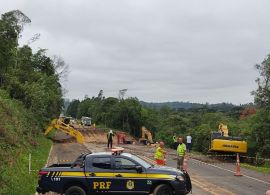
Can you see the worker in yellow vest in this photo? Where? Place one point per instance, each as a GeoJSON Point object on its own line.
{"type": "Point", "coordinates": [175, 142]}
{"type": "Point", "coordinates": [181, 151]}
{"type": "Point", "coordinates": [160, 154]}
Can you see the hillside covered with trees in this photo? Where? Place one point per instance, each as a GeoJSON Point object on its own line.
{"type": "Point", "coordinates": [30, 95]}
{"type": "Point", "coordinates": [130, 115]}
{"type": "Point", "coordinates": [223, 107]}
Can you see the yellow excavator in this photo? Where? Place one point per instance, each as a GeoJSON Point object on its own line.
{"type": "Point", "coordinates": [146, 136]}
{"type": "Point", "coordinates": [63, 124]}
{"type": "Point", "coordinates": [222, 142]}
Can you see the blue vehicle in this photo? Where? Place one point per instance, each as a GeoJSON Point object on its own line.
{"type": "Point", "coordinates": [114, 173]}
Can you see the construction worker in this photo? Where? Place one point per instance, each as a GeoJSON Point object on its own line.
{"type": "Point", "coordinates": [181, 151]}
{"type": "Point", "coordinates": [189, 140]}
{"type": "Point", "coordinates": [110, 138]}
{"type": "Point", "coordinates": [175, 143]}
{"type": "Point", "coordinates": [160, 154]}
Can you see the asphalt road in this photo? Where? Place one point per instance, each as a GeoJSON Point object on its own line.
{"type": "Point", "coordinates": [216, 179]}
{"type": "Point", "coordinates": [220, 179]}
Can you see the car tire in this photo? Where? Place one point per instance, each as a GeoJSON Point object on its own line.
{"type": "Point", "coordinates": [163, 189]}
{"type": "Point", "coordinates": [75, 190]}
{"type": "Point", "coordinates": [188, 182]}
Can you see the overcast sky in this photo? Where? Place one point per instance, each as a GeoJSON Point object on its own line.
{"type": "Point", "coordinates": [160, 50]}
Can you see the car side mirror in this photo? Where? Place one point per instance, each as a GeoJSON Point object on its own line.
{"type": "Point", "coordinates": [139, 169]}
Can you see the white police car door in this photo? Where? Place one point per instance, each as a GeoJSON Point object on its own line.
{"type": "Point", "coordinates": [127, 176]}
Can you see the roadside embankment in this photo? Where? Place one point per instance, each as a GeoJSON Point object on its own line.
{"type": "Point", "coordinates": [20, 135]}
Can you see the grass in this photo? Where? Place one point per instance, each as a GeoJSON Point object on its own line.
{"type": "Point", "coordinates": [20, 134]}
{"type": "Point", "coordinates": [20, 181]}
{"type": "Point", "coordinates": [262, 169]}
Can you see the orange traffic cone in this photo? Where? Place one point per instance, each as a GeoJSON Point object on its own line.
{"type": "Point", "coordinates": [238, 172]}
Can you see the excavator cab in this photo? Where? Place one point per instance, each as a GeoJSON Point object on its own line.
{"type": "Point", "coordinates": [66, 120]}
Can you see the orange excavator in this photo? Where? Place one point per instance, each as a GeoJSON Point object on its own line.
{"type": "Point", "coordinates": [63, 124]}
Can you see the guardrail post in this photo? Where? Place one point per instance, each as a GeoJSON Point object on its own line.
{"type": "Point", "coordinates": [29, 164]}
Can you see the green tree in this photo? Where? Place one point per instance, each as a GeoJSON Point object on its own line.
{"type": "Point", "coordinates": [261, 126]}
{"type": "Point", "coordinates": [262, 94]}
{"type": "Point", "coordinates": [27, 77]}
{"type": "Point", "coordinates": [72, 109]}
{"type": "Point", "coordinates": [11, 26]}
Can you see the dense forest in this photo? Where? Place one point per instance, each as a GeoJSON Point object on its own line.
{"type": "Point", "coordinates": [28, 77]}
{"type": "Point", "coordinates": [129, 115]}
{"type": "Point", "coordinates": [223, 107]}
{"type": "Point", "coordinates": [250, 121]}
{"type": "Point", "coordinates": [30, 95]}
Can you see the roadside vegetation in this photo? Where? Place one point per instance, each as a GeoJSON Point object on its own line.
{"type": "Point", "coordinates": [30, 95]}
{"type": "Point", "coordinates": [262, 169]}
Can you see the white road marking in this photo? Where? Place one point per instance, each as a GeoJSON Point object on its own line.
{"type": "Point", "coordinates": [49, 155]}
{"type": "Point", "coordinates": [265, 182]}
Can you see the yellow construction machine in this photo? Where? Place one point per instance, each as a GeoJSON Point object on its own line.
{"type": "Point", "coordinates": [222, 142]}
{"type": "Point", "coordinates": [146, 136]}
{"type": "Point", "coordinates": [63, 124]}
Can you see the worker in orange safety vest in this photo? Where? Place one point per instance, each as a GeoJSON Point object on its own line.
{"type": "Point", "coordinates": [160, 154]}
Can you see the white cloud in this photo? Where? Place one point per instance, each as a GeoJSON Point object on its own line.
{"type": "Point", "coordinates": [198, 51]}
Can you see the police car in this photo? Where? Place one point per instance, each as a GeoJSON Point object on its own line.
{"type": "Point", "coordinates": [113, 172]}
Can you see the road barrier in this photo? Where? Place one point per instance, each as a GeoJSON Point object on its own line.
{"type": "Point", "coordinates": [31, 163]}
{"type": "Point", "coordinates": [32, 167]}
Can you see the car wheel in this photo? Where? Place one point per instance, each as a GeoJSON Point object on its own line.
{"type": "Point", "coordinates": [75, 190]}
{"type": "Point", "coordinates": [163, 189]}
{"type": "Point", "coordinates": [188, 182]}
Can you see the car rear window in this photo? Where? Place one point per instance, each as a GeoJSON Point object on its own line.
{"type": "Point", "coordinates": [101, 163]}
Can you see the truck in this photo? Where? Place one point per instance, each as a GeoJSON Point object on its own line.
{"type": "Point", "coordinates": [115, 173]}
{"type": "Point", "coordinates": [86, 121]}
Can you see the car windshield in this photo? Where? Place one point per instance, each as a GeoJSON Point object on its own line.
{"type": "Point", "coordinates": [139, 160]}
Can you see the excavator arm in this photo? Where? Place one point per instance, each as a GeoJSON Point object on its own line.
{"type": "Point", "coordinates": [149, 136]}
{"type": "Point", "coordinates": [61, 126]}
{"type": "Point", "coordinates": [146, 133]}
{"type": "Point", "coordinates": [143, 132]}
